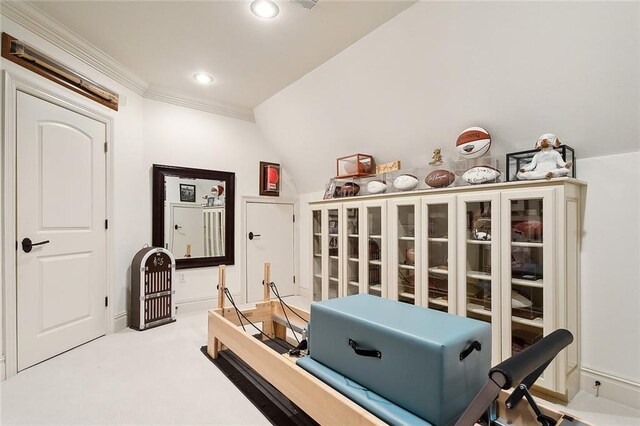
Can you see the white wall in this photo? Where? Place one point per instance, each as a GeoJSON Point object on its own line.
{"type": "Point", "coordinates": [519, 69]}
{"type": "Point", "coordinates": [611, 266]}
{"type": "Point", "coordinates": [180, 136]}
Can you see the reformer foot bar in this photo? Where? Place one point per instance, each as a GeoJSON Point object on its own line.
{"type": "Point", "coordinates": [494, 403]}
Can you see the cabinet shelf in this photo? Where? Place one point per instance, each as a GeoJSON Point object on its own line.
{"type": "Point", "coordinates": [479, 275]}
{"type": "Point", "coordinates": [536, 322]}
{"type": "Point", "coordinates": [477, 309]}
{"type": "Point", "coordinates": [353, 235]}
{"type": "Point", "coordinates": [334, 257]}
{"type": "Point", "coordinates": [375, 287]}
{"type": "Point", "coordinates": [440, 271]}
{"type": "Point", "coordinates": [438, 301]}
{"type": "Point", "coordinates": [317, 234]}
{"type": "Point", "coordinates": [528, 283]}
{"type": "Point", "coordinates": [438, 240]}
{"type": "Point", "coordinates": [334, 235]}
{"type": "Point", "coordinates": [479, 242]}
{"type": "Point", "coordinates": [407, 238]}
{"type": "Point", "coordinates": [377, 237]}
{"type": "Point", "coordinates": [410, 267]}
{"type": "Point", "coordinates": [354, 259]}
{"type": "Point", "coordinates": [407, 295]}
{"type": "Point", "coordinates": [375, 262]}
{"type": "Point", "coordinates": [333, 279]}
{"type": "Point", "coordinates": [317, 276]}
{"type": "Point", "coordinates": [317, 255]}
{"type": "Point", "coordinates": [526, 244]}
{"type": "Point", "coordinates": [354, 283]}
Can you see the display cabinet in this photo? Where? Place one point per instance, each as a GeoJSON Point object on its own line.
{"type": "Point", "coordinates": [405, 257]}
{"type": "Point", "coordinates": [317, 246]}
{"type": "Point", "coordinates": [353, 244]}
{"type": "Point", "coordinates": [478, 254]}
{"type": "Point", "coordinates": [375, 255]}
{"type": "Point", "coordinates": [439, 253]}
{"type": "Point", "coordinates": [506, 254]}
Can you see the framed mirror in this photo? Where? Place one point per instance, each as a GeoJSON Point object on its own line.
{"type": "Point", "coordinates": [193, 215]}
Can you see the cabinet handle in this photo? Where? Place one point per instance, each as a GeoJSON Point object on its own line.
{"type": "Point", "coordinates": [364, 352]}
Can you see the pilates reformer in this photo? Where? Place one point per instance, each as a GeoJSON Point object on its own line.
{"type": "Point", "coordinates": [492, 405]}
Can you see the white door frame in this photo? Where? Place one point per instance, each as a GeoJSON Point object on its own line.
{"type": "Point", "coordinates": [243, 241]}
{"type": "Point", "coordinates": [40, 88]}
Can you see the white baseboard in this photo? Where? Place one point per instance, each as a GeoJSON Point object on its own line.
{"type": "Point", "coordinates": [613, 388]}
{"type": "Point", "coordinates": [120, 322]}
{"type": "Point", "coordinates": [3, 368]}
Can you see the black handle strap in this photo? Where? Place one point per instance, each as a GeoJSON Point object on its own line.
{"type": "Point", "coordinates": [363, 351]}
{"type": "Point", "coordinates": [474, 346]}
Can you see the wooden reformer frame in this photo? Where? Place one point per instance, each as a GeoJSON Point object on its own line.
{"type": "Point", "coordinates": [317, 399]}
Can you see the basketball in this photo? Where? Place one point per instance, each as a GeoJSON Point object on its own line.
{"type": "Point", "coordinates": [473, 142]}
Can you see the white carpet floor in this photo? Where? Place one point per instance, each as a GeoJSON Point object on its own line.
{"type": "Point", "coordinates": [160, 377]}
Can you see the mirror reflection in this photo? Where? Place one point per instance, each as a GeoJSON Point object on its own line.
{"type": "Point", "coordinates": [194, 217]}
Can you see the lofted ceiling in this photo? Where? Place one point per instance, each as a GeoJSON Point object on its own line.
{"type": "Point", "coordinates": [166, 42]}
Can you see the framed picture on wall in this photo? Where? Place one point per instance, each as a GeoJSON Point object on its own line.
{"type": "Point", "coordinates": [269, 179]}
{"type": "Point", "coordinates": [187, 193]}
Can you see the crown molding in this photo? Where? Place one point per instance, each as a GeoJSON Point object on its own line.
{"type": "Point", "coordinates": [41, 24]}
{"type": "Point", "coordinates": [184, 100]}
{"type": "Point", "coordinates": [56, 33]}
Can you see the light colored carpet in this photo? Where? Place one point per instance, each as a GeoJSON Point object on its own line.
{"type": "Point", "coordinates": [159, 377]}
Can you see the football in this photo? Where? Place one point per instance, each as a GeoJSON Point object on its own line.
{"type": "Point", "coordinates": [377, 187]}
{"type": "Point", "coordinates": [405, 182]}
{"type": "Point", "coordinates": [481, 174]}
{"type": "Point", "coordinates": [440, 178]}
{"type": "Point", "coordinates": [473, 142]}
{"type": "Point", "coordinates": [349, 189]}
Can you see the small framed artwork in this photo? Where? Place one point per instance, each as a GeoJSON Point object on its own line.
{"type": "Point", "coordinates": [187, 193]}
{"type": "Point", "coordinates": [269, 179]}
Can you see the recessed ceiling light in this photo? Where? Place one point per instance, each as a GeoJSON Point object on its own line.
{"type": "Point", "coordinates": [266, 9]}
{"type": "Point", "coordinates": [203, 78]}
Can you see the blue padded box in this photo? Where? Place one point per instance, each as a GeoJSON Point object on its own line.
{"type": "Point", "coordinates": [406, 354]}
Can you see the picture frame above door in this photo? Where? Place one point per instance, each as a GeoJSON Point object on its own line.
{"type": "Point", "coordinates": [270, 179]}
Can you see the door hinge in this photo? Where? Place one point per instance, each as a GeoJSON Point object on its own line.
{"type": "Point", "coordinates": [106, 224]}
{"type": "Point", "coordinates": [16, 246]}
{"type": "Point", "coordinates": [105, 147]}
{"type": "Point", "coordinates": [106, 301]}
{"type": "Point", "coordinates": [294, 218]}
{"type": "Point", "coordinates": [294, 279]}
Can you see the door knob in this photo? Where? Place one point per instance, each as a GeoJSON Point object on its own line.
{"type": "Point", "coordinates": [27, 244]}
{"type": "Point", "coordinates": [251, 235]}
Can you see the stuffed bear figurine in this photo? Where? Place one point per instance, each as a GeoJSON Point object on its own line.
{"type": "Point", "coordinates": [547, 163]}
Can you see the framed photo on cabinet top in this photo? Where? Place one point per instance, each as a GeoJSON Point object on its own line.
{"type": "Point", "coordinates": [187, 193]}
{"type": "Point", "coordinates": [269, 179]}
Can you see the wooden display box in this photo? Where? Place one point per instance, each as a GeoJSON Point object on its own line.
{"type": "Point", "coordinates": [356, 165]}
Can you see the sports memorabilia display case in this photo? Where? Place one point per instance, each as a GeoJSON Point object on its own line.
{"type": "Point", "coordinates": [516, 160]}
{"type": "Point", "coordinates": [503, 253]}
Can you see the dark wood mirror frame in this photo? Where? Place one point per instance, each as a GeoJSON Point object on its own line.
{"type": "Point", "coordinates": [158, 174]}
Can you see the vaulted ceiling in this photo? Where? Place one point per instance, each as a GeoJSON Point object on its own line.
{"type": "Point", "coordinates": [166, 42]}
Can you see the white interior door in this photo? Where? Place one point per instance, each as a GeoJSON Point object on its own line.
{"type": "Point", "coordinates": [61, 205]}
{"type": "Point", "coordinates": [187, 228]}
{"type": "Point", "coordinates": [271, 227]}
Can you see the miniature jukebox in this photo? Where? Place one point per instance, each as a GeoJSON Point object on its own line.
{"type": "Point", "coordinates": [152, 275]}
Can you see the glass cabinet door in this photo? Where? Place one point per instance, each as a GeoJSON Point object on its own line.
{"type": "Point", "coordinates": [334, 255]}
{"type": "Point", "coordinates": [438, 229]}
{"type": "Point", "coordinates": [405, 253]}
{"type": "Point", "coordinates": [479, 252]}
{"type": "Point", "coordinates": [316, 250]}
{"type": "Point", "coordinates": [375, 250]}
{"type": "Point", "coordinates": [527, 271]}
{"type": "Point", "coordinates": [352, 243]}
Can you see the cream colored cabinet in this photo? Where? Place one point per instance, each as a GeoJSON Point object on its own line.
{"type": "Point", "coordinates": [478, 256]}
{"type": "Point", "coordinates": [439, 258]}
{"type": "Point", "coordinates": [405, 256]}
{"type": "Point", "coordinates": [375, 255]}
{"type": "Point", "coordinates": [506, 254]}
